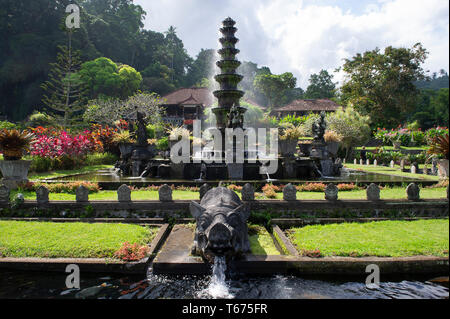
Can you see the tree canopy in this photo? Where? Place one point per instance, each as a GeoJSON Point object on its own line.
{"type": "Point", "coordinates": [321, 86]}
{"type": "Point", "coordinates": [381, 84]}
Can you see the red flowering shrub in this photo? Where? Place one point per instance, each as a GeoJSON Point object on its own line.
{"type": "Point", "coordinates": [62, 145]}
{"type": "Point", "coordinates": [132, 252]}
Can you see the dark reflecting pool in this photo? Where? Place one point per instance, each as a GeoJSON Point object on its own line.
{"type": "Point", "coordinates": [347, 176]}
{"type": "Point", "coordinates": [15, 284]}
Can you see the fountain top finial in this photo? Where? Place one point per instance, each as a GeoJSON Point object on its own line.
{"type": "Point", "coordinates": [228, 22]}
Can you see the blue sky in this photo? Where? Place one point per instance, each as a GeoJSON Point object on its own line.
{"type": "Point", "coordinates": [305, 36]}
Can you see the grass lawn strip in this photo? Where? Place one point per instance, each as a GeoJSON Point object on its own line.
{"type": "Point", "coordinates": [69, 240]}
{"type": "Point", "coordinates": [381, 239]}
{"type": "Point", "coordinates": [261, 243]}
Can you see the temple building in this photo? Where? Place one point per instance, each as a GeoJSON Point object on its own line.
{"type": "Point", "coordinates": [187, 104]}
{"type": "Point", "coordinates": [304, 107]}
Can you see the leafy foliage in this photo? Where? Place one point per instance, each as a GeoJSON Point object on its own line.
{"type": "Point", "coordinates": [14, 142]}
{"type": "Point", "coordinates": [382, 84]}
{"type": "Point", "coordinates": [351, 126]}
{"type": "Point", "coordinates": [321, 86]}
{"type": "Point", "coordinates": [111, 110]}
{"type": "Point", "coordinates": [274, 86]}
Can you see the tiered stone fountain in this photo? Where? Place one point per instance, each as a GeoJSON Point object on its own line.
{"type": "Point", "coordinates": [229, 113]}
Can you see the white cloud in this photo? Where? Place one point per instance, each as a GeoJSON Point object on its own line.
{"type": "Point", "coordinates": [312, 37]}
{"type": "Point", "coordinates": [305, 36]}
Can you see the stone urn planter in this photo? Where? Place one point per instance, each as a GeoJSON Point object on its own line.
{"type": "Point", "coordinates": [14, 172]}
{"type": "Point", "coordinates": [443, 168]}
{"type": "Point", "coordinates": [333, 147]}
{"type": "Point", "coordinates": [287, 147]}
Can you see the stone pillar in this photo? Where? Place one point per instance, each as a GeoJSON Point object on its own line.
{"type": "Point", "coordinates": [42, 195]}
{"type": "Point", "coordinates": [331, 192]}
{"type": "Point", "coordinates": [355, 161]}
{"type": "Point", "coordinates": [248, 193]}
{"type": "Point", "coordinates": [204, 189]}
{"type": "Point", "coordinates": [434, 167]}
{"type": "Point", "coordinates": [289, 193]}
{"type": "Point", "coordinates": [425, 169]}
{"type": "Point", "coordinates": [375, 163]}
{"type": "Point", "coordinates": [361, 162]}
{"type": "Point", "coordinates": [368, 162]}
{"type": "Point", "coordinates": [82, 194]}
{"type": "Point", "coordinates": [4, 194]}
{"type": "Point", "coordinates": [402, 164]}
{"type": "Point", "coordinates": [413, 192]}
{"type": "Point", "coordinates": [165, 193]}
{"type": "Point", "coordinates": [413, 169]}
{"type": "Point", "coordinates": [373, 192]}
{"type": "Point", "coordinates": [392, 165]}
{"type": "Point", "coordinates": [124, 194]}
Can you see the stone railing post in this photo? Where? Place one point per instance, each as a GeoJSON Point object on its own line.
{"type": "Point", "coordinates": [373, 192]}
{"type": "Point", "coordinates": [413, 192]}
{"type": "Point", "coordinates": [42, 194]}
{"type": "Point", "coordinates": [331, 192]}
{"type": "Point", "coordinates": [124, 194]}
{"type": "Point", "coordinates": [4, 194]}
{"type": "Point", "coordinates": [165, 193]}
{"type": "Point", "coordinates": [82, 194]}
{"type": "Point", "coordinates": [290, 192]}
{"type": "Point", "coordinates": [248, 193]}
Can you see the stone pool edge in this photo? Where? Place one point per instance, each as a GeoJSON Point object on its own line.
{"type": "Point", "coordinates": [295, 264]}
{"type": "Point", "coordinates": [91, 265]}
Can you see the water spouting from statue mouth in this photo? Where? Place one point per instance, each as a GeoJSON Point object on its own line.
{"type": "Point", "coordinates": [218, 287]}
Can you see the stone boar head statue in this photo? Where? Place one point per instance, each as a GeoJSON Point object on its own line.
{"type": "Point", "coordinates": [221, 224]}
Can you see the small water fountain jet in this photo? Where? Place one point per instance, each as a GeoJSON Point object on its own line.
{"type": "Point", "coordinates": [218, 287]}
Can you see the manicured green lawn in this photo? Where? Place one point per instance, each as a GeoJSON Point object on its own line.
{"type": "Point", "coordinates": [387, 193]}
{"type": "Point", "coordinates": [71, 240]}
{"type": "Point", "coordinates": [390, 171]}
{"type": "Point", "coordinates": [261, 243]}
{"type": "Point", "coordinates": [60, 173]}
{"type": "Point", "coordinates": [386, 238]}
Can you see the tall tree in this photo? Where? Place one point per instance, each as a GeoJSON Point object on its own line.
{"type": "Point", "coordinates": [107, 79]}
{"type": "Point", "coordinates": [382, 84]}
{"type": "Point", "coordinates": [321, 86]}
{"type": "Point", "coordinates": [274, 86]}
{"type": "Point", "coordinates": [65, 92]}
{"type": "Point", "coordinates": [202, 67]}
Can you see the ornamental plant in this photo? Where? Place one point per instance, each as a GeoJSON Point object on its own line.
{"type": "Point", "coordinates": [132, 252]}
{"type": "Point", "coordinates": [62, 145]}
{"type": "Point", "coordinates": [439, 147]}
{"type": "Point", "coordinates": [123, 137]}
{"type": "Point", "coordinates": [176, 132]}
{"type": "Point", "coordinates": [332, 136]}
{"type": "Point", "coordinates": [14, 142]}
{"type": "Point", "coordinates": [290, 132]}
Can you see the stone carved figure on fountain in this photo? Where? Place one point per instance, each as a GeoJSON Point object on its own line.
{"type": "Point", "coordinates": [221, 224]}
{"type": "Point", "coordinates": [319, 128]}
{"type": "Point", "coordinates": [141, 133]}
{"type": "Point", "coordinates": [235, 118]}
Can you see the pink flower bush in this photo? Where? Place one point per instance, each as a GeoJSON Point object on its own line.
{"type": "Point", "coordinates": [62, 145]}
